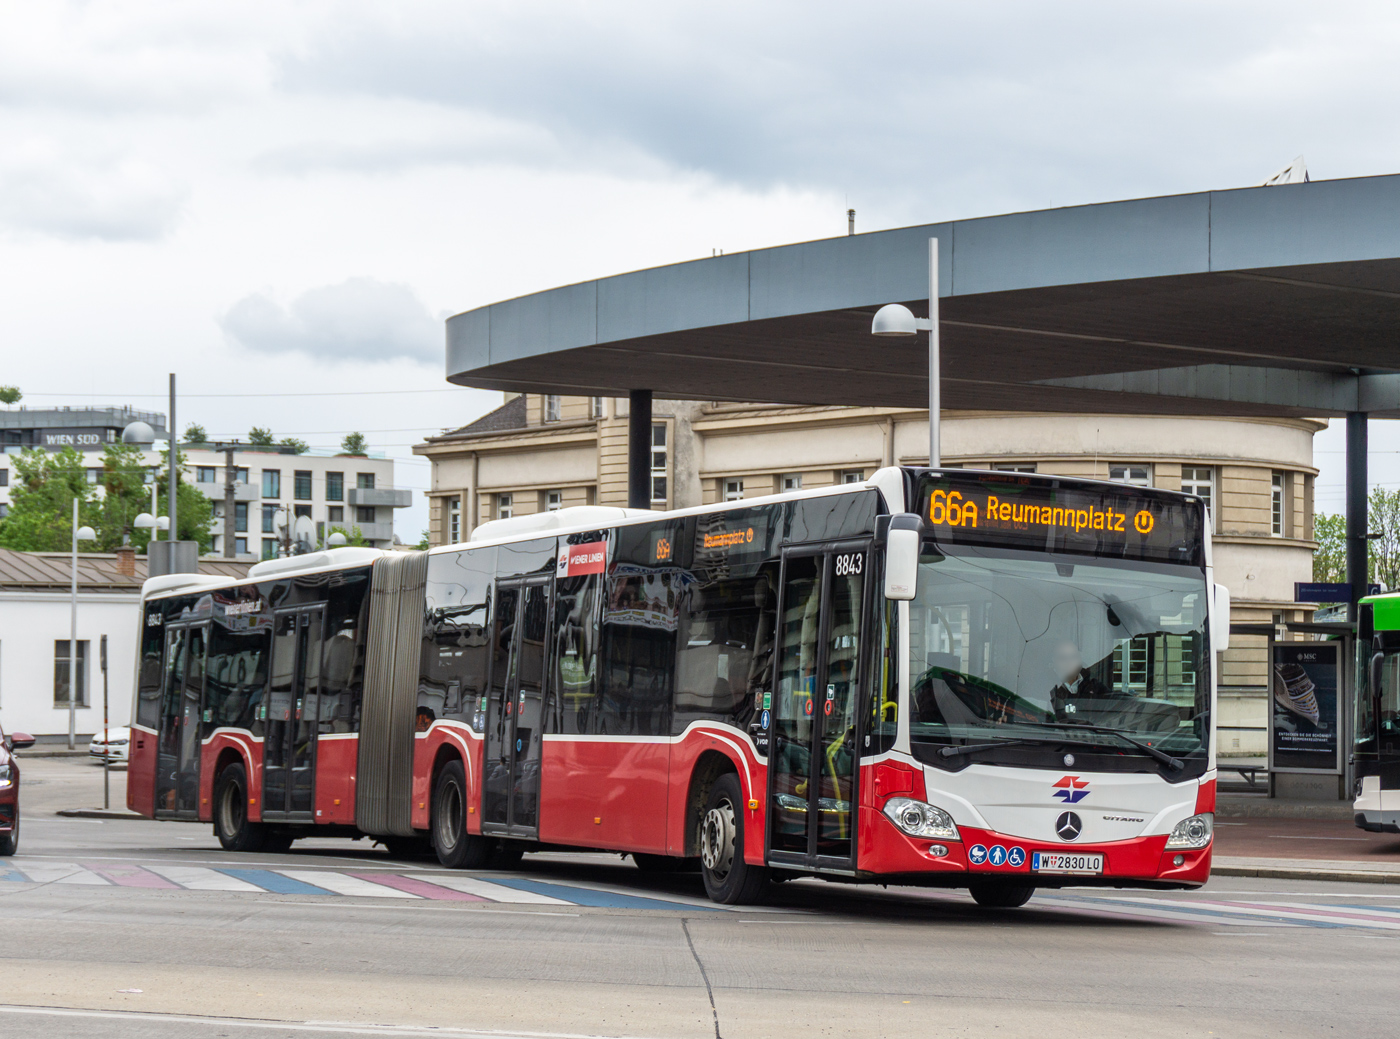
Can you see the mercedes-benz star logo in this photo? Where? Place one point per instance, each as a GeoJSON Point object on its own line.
{"type": "Point", "coordinates": [1068, 826]}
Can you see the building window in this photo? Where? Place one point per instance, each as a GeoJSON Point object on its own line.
{"type": "Point", "coordinates": [658, 463]}
{"type": "Point", "coordinates": [364, 481]}
{"type": "Point", "coordinates": [364, 514]}
{"type": "Point", "coordinates": [205, 474]}
{"type": "Point", "coordinates": [1013, 467]}
{"type": "Point", "coordinates": [269, 519]}
{"type": "Point", "coordinates": [4, 477]}
{"type": "Point", "coordinates": [302, 485]}
{"type": "Point", "coordinates": [505, 506]}
{"type": "Point", "coordinates": [595, 407]}
{"type": "Point", "coordinates": [1277, 499]}
{"type": "Point", "coordinates": [852, 476]}
{"type": "Point", "coordinates": [733, 490]}
{"type": "Point", "coordinates": [4, 510]}
{"type": "Point", "coordinates": [551, 407]}
{"type": "Point", "coordinates": [240, 473]}
{"type": "Point", "coordinates": [302, 510]}
{"type": "Point", "coordinates": [335, 514]}
{"type": "Point", "coordinates": [1137, 475]}
{"type": "Point", "coordinates": [1200, 481]}
{"type": "Point", "coordinates": [240, 516]}
{"type": "Point", "coordinates": [792, 481]}
{"type": "Point", "coordinates": [269, 549]}
{"type": "Point", "coordinates": [94, 475]}
{"type": "Point", "coordinates": [335, 487]}
{"type": "Point", "coordinates": [240, 546]}
{"type": "Point", "coordinates": [553, 501]}
{"type": "Point", "coordinates": [60, 673]}
{"type": "Point", "coordinates": [272, 483]}
{"type": "Point", "coordinates": [454, 520]}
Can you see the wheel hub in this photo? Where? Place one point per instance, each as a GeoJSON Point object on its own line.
{"type": "Point", "coordinates": [717, 839]}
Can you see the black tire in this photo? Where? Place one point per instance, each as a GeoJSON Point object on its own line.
{"type": "Point", "coordinates": [9, 842]}
{"type": "Point", "coordinates": [231, 823]}
{"type": "Point", "coordinates": [664, 863]}
{"type": "Point", "coordinates": [506, 854]}
{"type": "Point", "coordinates": [1000, 894]}
{"type": "Point", "coordinates": [454, 846]}
{"type": "Point", "coordinates": [729, 880]}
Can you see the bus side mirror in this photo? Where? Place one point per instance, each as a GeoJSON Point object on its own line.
{"type": "Point", "coordinates": [902, 556]}
{"type": "Point", "coordinates": [1220, 620]}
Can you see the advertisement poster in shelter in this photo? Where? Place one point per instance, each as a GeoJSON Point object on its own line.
{"type": "Point", "coordinates": [1305, 698]}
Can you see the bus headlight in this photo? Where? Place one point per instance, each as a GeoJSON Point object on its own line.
{"type": "Point", "coordinates": [1194, 832]}
{"type": "Point", "coordinates": [919, 819]}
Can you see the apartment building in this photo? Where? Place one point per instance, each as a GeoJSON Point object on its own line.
{"type": "Point", "coordinates": [539, 452]}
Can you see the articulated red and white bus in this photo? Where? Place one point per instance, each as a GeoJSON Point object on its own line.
{"type": "Point", "coordinates": [990, 680]}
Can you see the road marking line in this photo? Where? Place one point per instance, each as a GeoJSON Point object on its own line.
{"type": "Point", "coordinates": [421, 888]}
{"type": "Point", "coordinates": [199, 878]}
{"type": "Point", "coordinates": [275, 882]}
{"type": "Point", "coordinates": [133, 876]}
{"type": "Point", "coordinates": [343, 884]}
{"type": "Point", "coordinates": [496, 892]}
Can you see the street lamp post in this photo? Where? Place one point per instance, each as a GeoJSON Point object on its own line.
{"type": "Point", "coordinates": [79, 534]}
{"type": "Point", "coordinates": [895, 319]}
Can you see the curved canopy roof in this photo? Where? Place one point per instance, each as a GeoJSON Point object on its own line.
{"type": "Point", "coordinates": [1277, 300]}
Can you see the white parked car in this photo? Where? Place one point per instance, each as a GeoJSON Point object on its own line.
{"type": "Point", "coordinates": [118, 739]}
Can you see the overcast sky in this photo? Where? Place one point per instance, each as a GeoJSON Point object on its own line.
{"type": "Point", "coordinates": [289, 198]}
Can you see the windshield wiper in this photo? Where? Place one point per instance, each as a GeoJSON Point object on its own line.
{"type": "Point", "coordinates": [1175, 764]}
{"type": "Point", "coordinates": [973, 748]}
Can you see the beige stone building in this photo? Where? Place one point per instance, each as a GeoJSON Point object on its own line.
{"type": "Point", "coordinates": [537, 452]}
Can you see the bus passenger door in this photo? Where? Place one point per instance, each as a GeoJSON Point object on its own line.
{"type": "Point", "coordinates": [813, 755]}
{"type": "Point", "coordinates": [182, 700]}
{"type": "Point", "coordinates": [515, 709]}
{"type": "Point", "coordinates": [289, 741]}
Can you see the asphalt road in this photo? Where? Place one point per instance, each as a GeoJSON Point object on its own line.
{"type": "Point", "coordinates": [132, 928]}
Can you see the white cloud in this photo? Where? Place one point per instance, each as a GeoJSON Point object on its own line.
{"type": "Point", "coordinates": [358, 320]}
{"type": "Point", "coordinates": [47, 191]}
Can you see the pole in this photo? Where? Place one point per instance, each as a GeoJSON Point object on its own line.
{"type": "Point", "coordinates": [639, 450]}
{"type": "Point", "coordinates": [106, 737]}
{"type": "Point", "coordinates": [173, 485]}
{"type": "Point", "coordinates": [73, 640]}
{"type": "Point", "coordinates": [1356, 508]}
{"type": "Point", "coordinates": [935, 374]}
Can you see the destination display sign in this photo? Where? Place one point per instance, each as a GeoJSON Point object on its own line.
{"type": "Point", "coordinates": [1021, 511]}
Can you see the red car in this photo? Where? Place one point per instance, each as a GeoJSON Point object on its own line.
{"type": "Point", "coordinates": [9, 790]}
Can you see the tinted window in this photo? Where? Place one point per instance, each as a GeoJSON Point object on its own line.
{"type": "Point", "coordinates": [343, 661]}
{"type": "Point", "coordinates": [237, 669]}
{"type": "Point", "coordinates": [639, 639]}
{"type": "Point", "coordinates": [575, 654]}
{"type": "Point", "coordinates": [456, 641]}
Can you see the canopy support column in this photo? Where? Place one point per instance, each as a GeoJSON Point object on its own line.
{"type": "Point", "coordinates": [1357, 546]}
{"type": "Point", "coordinates": [639, 450]}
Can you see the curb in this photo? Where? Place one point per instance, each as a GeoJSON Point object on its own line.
{"type": "Point", "coordinates": [1303, 873]}
{"type": "Point", "coordinates": [97, 813]}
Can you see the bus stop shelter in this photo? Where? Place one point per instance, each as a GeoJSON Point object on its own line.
{"type": "Point", "coordinates": [1279, 300]}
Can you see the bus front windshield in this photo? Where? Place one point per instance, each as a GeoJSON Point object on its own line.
{"type": "Point", "coordinates": [1022, 659]}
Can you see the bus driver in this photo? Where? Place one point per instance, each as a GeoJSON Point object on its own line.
{"type": "Point", "coordinates": [1075, 681]}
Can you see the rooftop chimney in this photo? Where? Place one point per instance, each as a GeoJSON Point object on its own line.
{"type": "Point", "coordinates": [850, 221]}
{"type": "Point", "coordinates": [126, 561]}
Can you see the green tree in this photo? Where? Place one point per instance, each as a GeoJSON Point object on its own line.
{"type": "Point", "coordinates": [354, 444]}
{"type": "Point", "coordinates": [299, 447]}
{"type": "Point", "coordinates": [10, 395]}
{"type": "Point", "coordinates": [423, 543]}
{"type": "Point", "coordinates": [352, 536]}
{"type": "Point", "coordinates": [1383, 524]}
{"type": "Point", "coordinates": [41, 501]}
{"type": "Point", "coordinates": [126, 495]}
{"type": "Point", "coordinates": [1330, 556]}
{"type": "Point", "coordinates": [260, 436]}
{"type": "Point", "coordinates": [196, 511]}
{"type": "Point", "coordinates": [196, 434]}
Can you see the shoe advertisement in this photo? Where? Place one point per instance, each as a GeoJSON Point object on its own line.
{"type": "Point", "coordinates": [1304, 722]}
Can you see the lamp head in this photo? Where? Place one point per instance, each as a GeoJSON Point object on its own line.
{"type": "Point", "coordinates": [894, 319]}
{"type": "Point", "coordinates": [336, 540]}
{"type": "Point", "coordinates": [139, 433]}
{"type": "Point", "coordinates": [163, 523]}
{"type": "Point", "coordinates": [144, 520]}
{"type": "Point", "coordinates": [87, 534]}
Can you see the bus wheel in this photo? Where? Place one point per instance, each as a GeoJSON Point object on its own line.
{"type": "Point", "coordinates": [729, 880]}
{"type": "Point", "coordinates": [231, 823]}
{"type": "Point", "coordinates": [996, 894]}
{"type": "Point", "coordinates": [455, 847]}
{"type": "Point", "coordinates": [664, 863]}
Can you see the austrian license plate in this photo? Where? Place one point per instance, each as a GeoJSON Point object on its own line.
{"type": "Point", "coordinates": [1065, 862]}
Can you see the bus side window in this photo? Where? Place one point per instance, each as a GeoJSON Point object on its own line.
{"type": "Point", "coordinates": [725, 661]}
{"type": "Point", "coordinates": [573, 656]}
{"type": "Point", "coordinates": [883, 720]}
{"type": "Point", "coordinates": [639, 641]}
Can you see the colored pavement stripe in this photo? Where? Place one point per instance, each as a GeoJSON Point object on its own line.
{"type": "Point", "coordinates": [489, 891]}
{"type": "Point", "coordinates": [15, 875]}
{"type": "Point", "coordinates": [275, 882]}
{"type": "Point", "coordinates": [594, 899]}
{"type": "Point", "coordinates": [201, 878]}
{"type": "Point", "coordinates": [421, 888]}
{"type": "Point", "coordinates": [345, 884]}
{"type": "Point", "coordinates": [133, 876]}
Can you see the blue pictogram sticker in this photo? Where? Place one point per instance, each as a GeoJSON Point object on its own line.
{"type": "Point", "coordinates": [765, 719]}
{"type": "Point", "coordinates": [1016, 857]}
{"type": "Point", "coordinates": [997, 856]}
{"type": "Point", "coordinates": [977, 854]}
